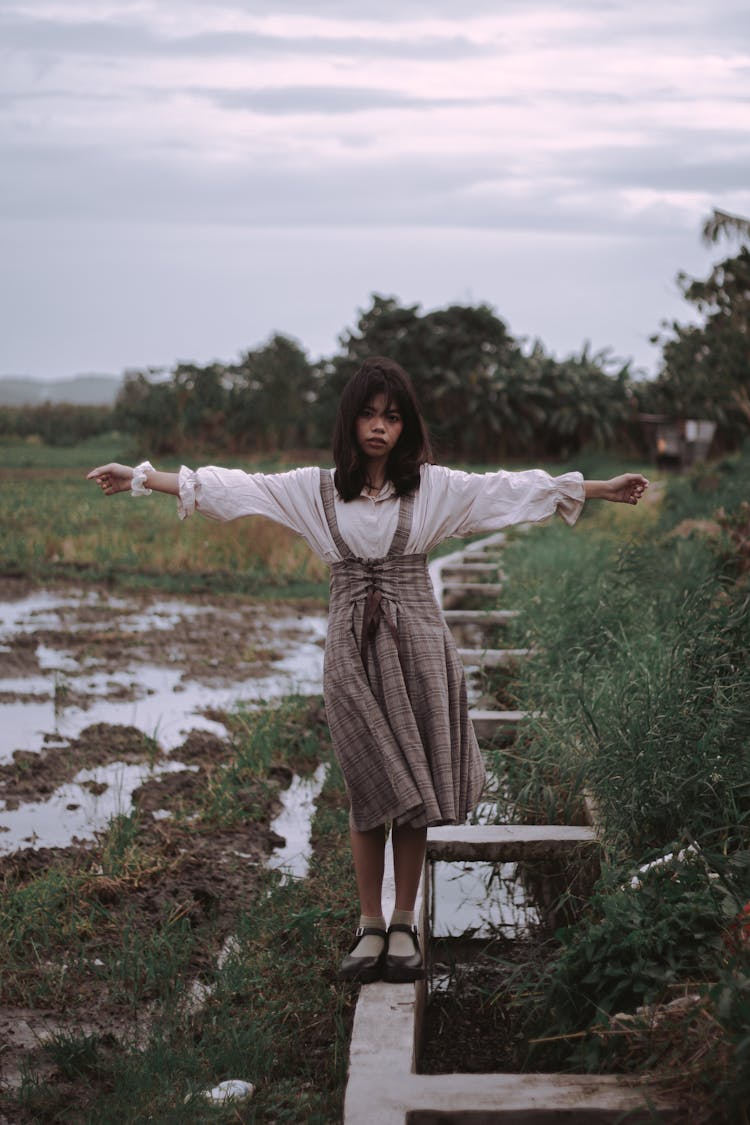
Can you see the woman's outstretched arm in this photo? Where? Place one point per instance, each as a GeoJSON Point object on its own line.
{"type": "Point", "coordinates": [114, 478]}
{"type": "Point", "coordinates": [625, 489]}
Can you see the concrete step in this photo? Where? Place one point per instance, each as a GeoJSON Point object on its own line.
{"type": "Point", "coordinates": [505, 1099]}
{"type": "Point", "coordinates": [480, 616]}
{"type": "Point", "coordinates": [384, 1088]}
{"type": "Point", "coordinates": [490, 543]}
{"type": "Point", "coordinates": [488, 723]}
{"type": "Point", "coordinates": [492, 657]}
{"type": "Point", "coordinates": [465, 567]}
{"type": "Point", "coordinates": [506, 843]}
{"type": "Point", "coordinates": [485, 588]}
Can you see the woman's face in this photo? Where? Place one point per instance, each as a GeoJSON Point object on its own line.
{"type": "Point", "coordinates": [379, 426]}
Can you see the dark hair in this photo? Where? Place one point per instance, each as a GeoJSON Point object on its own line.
{"type": "Point", "coordinates": [376, 376]}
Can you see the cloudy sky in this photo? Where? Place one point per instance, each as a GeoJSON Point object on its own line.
{"type": "Point", "coordinates": [180, 179]}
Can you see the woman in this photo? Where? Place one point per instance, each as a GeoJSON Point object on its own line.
{"type": "Point", "coordinates": [394, 684]}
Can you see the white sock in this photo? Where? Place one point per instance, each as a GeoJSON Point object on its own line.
{"type": "Point", "coordinates": [370, 945]}
{"type": "Point", "coordinates": [400, 944]}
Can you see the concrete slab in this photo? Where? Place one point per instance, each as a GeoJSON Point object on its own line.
{"type": "Point", "coordinates": [489, 542]}
{"type": "Point", "coordinates": [486, 588]}
{"type": "Point", "coordinates": [468, 566]}
{"type": "Point", "coordinates": [480, 616]}
{"type": "Point", "coordinates": [507, 843]}
{"type": "Point", "coordinates": [381, 1056]}
{"type": "Point", "coordinates": [492, 657]}
{"type": "Point", "coordinates": [489, 723]}
{"type": "Point", "coordinates": [533, 1099]}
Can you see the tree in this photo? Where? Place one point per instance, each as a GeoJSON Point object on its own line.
{"type": "Point", "coordinates": [482, 397]}
{"type": "Point", "coordinates": [272, 396]}
{"type": "Point", "coordinates": [706, 367]}
{"type": "Point", "coordinates": [202, 398]}
{"type": "Point", "coordinates": [454, 357]}
{"type": "Point", "coordinates": [723, 223]}
{"type": "Point", "coordinates": [149, 410]}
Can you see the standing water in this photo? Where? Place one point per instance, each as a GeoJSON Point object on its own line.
{"type": "Point", "coordinates": [163, 667]}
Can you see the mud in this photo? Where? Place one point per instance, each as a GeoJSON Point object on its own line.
{"type": "Point", "coordinates": [76, 662]}
{"type": "Point", "coordinates": [211, 639]}
{"type": "Point", "coordinates": [200, 877]}
{"type": "Point", "coordinates": [99, 695]}
{"type": "Point", "coordinates": [193, 873]}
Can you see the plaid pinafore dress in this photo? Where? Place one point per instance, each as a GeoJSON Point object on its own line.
{"type": "Point", "coordinates": [394, 687]}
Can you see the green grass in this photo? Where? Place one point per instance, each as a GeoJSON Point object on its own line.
{"type": "Point", "coordinates": [642, 673]}
{"type": "Point", "coordinates": [58, 526]}
{"type": "Point", "coordinates": [27, 454]}
{"type": "Point", "coordinates": [641, 622]}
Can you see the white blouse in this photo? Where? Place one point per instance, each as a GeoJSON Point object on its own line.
{"type": "Point", "coordinates": [448, 503]}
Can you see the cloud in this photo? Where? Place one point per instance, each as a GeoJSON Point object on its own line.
{"type": "Point", "coordinates": [585, 121]}
{"type": "Point", "coordinates": [301, 100]}
{"type": "Point", "coordinates": [588, 196]}
{"type": "Point", "coordinates": [126, 39]}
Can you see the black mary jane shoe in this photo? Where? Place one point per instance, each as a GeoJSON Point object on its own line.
{"type": "Point", "coordinates": [363, 969]}
{"type": "Point", "coordinates": [403, 970]}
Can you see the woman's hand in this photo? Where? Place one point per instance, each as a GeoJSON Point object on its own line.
{"type": "Point", "coordinates": [628, 488]}
{"type": "Point", "coordinates": [112, 478]}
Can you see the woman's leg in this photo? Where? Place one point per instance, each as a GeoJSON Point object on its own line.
{"type": "Point", "coordinates": [404, 959]}
{"type": "Point", "coordinates": [408, 861]}
{"type": "Point", "coordinates": [363, 962]}
{"type": "Point", "coordinates": [368, 851]}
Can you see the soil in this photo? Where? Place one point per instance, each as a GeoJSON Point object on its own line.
{"type": "Point", "coordinates": [471, 1024]}
{"type": "Point", "coordinates": [192, 872]}
{"type": "Point", "coordinates": [198, 875]}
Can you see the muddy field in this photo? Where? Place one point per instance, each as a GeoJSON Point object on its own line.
{"type": "Point", "coordinates": [73, 659]}
{"type": "Point", "coordinates": [89, 679]}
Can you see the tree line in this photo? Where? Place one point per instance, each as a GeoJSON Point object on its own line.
{"type": "Point", "coordinates": [480, 393]}
{"type": "Point", "coordinates": [55, 423]}
{"type": "Point", "coordinates": [484, 395]}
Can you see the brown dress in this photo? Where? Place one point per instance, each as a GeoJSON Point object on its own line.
{"type": "Point", "coordinates": [395, 690]}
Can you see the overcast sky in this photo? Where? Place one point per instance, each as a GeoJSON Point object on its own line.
{"type": "Point", "coordinates": [180, 179]}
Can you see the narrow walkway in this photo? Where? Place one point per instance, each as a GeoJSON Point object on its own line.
{"type": "Point", "coordinates": [384, 1087]}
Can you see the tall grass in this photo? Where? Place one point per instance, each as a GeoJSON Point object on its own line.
{"type": "Point", "coordinates": [642, 674]}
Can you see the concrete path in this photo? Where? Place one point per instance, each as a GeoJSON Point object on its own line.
{"type": "Point", "coordinates": [384, 1087]}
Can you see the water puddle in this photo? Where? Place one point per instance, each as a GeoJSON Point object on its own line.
{"type": "Point", "coordinates": [294, 823]}
{"type": "Point", "coordinates": [67, 691]}
{"type": "Point", "coordinates": [79, 809]}
{"type": "Point", "coordinates": [71, 660]}
{"type": "Point", "coordinates": [480, 899]}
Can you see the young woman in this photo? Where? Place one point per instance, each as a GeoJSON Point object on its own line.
{"type": "Point", "coordinates": [394, 684]}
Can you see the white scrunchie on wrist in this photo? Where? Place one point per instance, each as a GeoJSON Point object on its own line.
{"type": "Point", "coordinates": [138, 483]}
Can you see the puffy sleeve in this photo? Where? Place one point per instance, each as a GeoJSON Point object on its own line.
{"type": "Point", "coordinates": [291, 499]}
{"type": "Point", "coordinates": [467, 503]}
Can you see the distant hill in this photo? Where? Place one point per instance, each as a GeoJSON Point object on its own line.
{"type": "Point", "coordinates": [82, 390]}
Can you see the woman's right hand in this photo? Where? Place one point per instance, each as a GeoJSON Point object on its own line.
{"type": "Point", "coordinates": [112, 478]}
